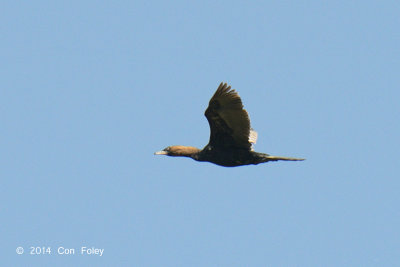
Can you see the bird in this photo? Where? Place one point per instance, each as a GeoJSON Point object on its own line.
{"type": "Point", "coordinates": [231, 136]}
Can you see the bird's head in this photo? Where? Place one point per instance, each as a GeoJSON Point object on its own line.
{"type": "Point", "coordinates": [178, 151]}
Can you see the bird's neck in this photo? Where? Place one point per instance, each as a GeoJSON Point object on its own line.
{"type": "Point", "coordinates": [184, 151]}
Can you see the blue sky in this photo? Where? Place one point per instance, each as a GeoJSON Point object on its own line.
{"type": "Point", "coordinates": [90, 89]}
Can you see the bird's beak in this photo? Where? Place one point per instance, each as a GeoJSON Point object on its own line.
{"type": "Point", "coordinates": [162, 152]}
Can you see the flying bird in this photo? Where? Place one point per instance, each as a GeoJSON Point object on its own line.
{"type": "Point", "coordinates": [231, 137]}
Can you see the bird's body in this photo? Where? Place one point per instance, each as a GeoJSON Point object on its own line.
{"type": "Point", "coordinates": [231, 158]}
{"type": "Point", "coordinates": [231, 136]}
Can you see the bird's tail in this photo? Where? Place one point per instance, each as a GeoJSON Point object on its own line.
{"type": "Point", "coordinates": [266, 157]}
{"type": "Point", "coordinates": [276, 158]}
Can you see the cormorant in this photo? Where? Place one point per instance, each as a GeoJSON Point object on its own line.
{"type": "Point", "coordinates": [231, 136]}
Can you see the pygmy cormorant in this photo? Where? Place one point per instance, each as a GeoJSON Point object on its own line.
{"type": "Point", "coordinates": [231, 136]}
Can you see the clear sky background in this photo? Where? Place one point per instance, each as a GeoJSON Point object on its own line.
{"type": "Point", "coordinates": [91, 89]}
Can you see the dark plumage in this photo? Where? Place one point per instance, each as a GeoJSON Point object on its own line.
{"type": "Point", "coordinates": [231, 137]}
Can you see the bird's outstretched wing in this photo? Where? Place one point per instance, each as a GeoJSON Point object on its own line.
{"type": "Point", "coordinates": [229, 122]}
